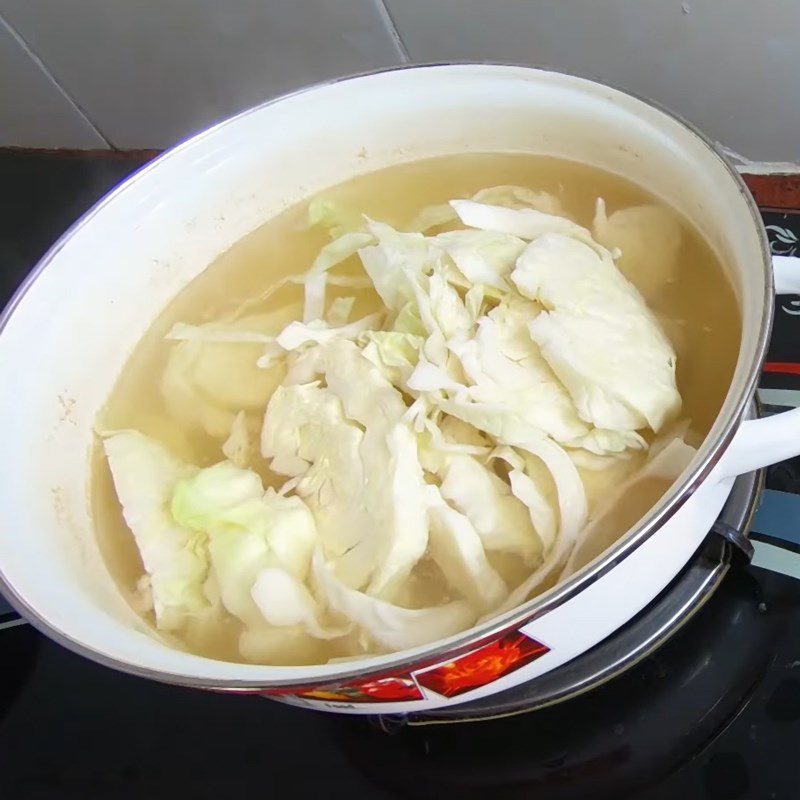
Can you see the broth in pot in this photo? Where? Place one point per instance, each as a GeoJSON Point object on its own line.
{"type": "Point", "coordinates": [199, 382]}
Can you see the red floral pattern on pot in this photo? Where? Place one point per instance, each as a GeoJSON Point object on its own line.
{"type": "Point", "coordinates": [490, 662]}
{"type": "Point", "coordinates": [378, 690]}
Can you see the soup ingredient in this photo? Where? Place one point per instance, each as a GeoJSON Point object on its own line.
{"type": "Point", "coordinates": [284, 601]}
{"type": "Point", "coordinates": [509, 196]}
{"type": "Point", "coordinates": [175, 558]}
{"type": "Point", "coordinates": [338, 250]}
{"type": "Point", "coordinates": [457, 548]}
{"type": "Point", "coordinates": [447, 433]}
{"type": "Point", "coordinates": [238, 447]}
{"type": "Point", "coordinates": [648, 239]}
{"type": "Point", "coordinates": [391, 627]}
{"type": "Point", "coordinates": [495, 509]}
{"type": "Point", "coordinates": [227, 503]}
{"type": "Point", "coordinates": [212, 374]}
{"type": "Point", "coordinates": [484, 258]}
{"type": "Point", "coordinates": [310, 441]}
{"type": "Point", "coordinates": [598, 335]}
{"type": "Point", "coordinates": [526, 223]}
{"type": "Point", "coordinates": [392, 487]}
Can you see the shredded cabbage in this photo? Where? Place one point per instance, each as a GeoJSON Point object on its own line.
{"type": "Point", "coordinates": [334, 218]}
{"type": "Point", "coordinates": [436, 216]}
{"type": "Point", "coordinates": [526, 223]}
{"type": "Point", "coordinates": [339, 250]}
{"type": "Point", "coordinates": [394, 487]}
{"type": "Point", "coordinates": [339, 311]}
{"type": "Point", "coordinates": [395, 263]}
{"type": "Point", "coordinates": [394, 353]}
{"type": "Point", "coordinates": [296, 334]}
{"type": "Point", "coordinates": [478, 430]}
{"type": "Point", "coordinates": [520, 197]}
{"type": "Point", "coordinates": [482, 257]}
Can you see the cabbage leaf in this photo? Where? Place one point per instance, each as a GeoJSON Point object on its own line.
{"type": "Point", "coordinates": [174, 556]}
{"type": "Point", "coordinates": [598, 336]}
{"type": "Point", "coordinates": [389, 626]}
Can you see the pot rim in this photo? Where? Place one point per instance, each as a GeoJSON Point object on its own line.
{"type": "Point", "coordinates": [534, 608]}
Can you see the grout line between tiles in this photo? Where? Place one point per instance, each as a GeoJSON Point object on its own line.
{"type": "Point", "coordinates": [20, 40]}
{"type": "Point", "coordinates": [388, 20]}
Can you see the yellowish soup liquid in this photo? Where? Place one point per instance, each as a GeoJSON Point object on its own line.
{"type": "Point", "coordinates": [697, 306]}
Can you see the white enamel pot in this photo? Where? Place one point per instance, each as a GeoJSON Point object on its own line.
{"type": "Point", "coordinates": [68, 331]}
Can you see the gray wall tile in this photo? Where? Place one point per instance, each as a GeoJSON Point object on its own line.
{"type": "Point", "coordinates": [151, 72]}
{"type": "Point", "coordinates": [730, 66]}
{"type": "Point", "coordinates": [33, 110]}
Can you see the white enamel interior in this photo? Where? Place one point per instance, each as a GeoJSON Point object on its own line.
{"type": "Point", "coordinates": [71, 332]}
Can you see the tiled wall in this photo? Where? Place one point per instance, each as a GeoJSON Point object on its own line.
{"type": "Point", "coordinates": [146, 73]}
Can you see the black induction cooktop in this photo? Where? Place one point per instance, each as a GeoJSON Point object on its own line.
{"type": "Point", "coordinates": [712, 714]}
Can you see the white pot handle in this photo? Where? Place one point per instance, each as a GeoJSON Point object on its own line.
{"type": "Point", "coordinates": [787, 274]}
{"type": "Point", "coordinates": [761, 442]}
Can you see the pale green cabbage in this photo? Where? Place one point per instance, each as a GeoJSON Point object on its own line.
{"type": "Point", "coordinates": [393, 486]}
{"type": "Point", "coordinates": [473, 429]}
{"type": "Point", "coordinates": [333, 217]}
{"type": "Point", "coordinates": [174, 556]}
{"type": "Point", "coordinates": [340, 310]}
{"type": "Point", "coordinates": [260, 546]}
{"type": "Point", "coordinates": [395, 263]}
{"type": "Point", "coordinates": [338, 251]}
{"type": "Point", "coordinates": [225, 499]}
{"type": "Point", "coordinates": [307, 436]}
{"type": "Point", "coordinates": [394, 353]}
{"type": "Point", "coordinates": [599, 336]}
{"type": "Point", "coordinates": [284, 601]}
{"type": "Point", "coordinates": [296, 334]}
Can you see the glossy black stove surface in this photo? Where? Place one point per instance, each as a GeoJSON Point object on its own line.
{"type": "Point", "coordinates": [712, 715]}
